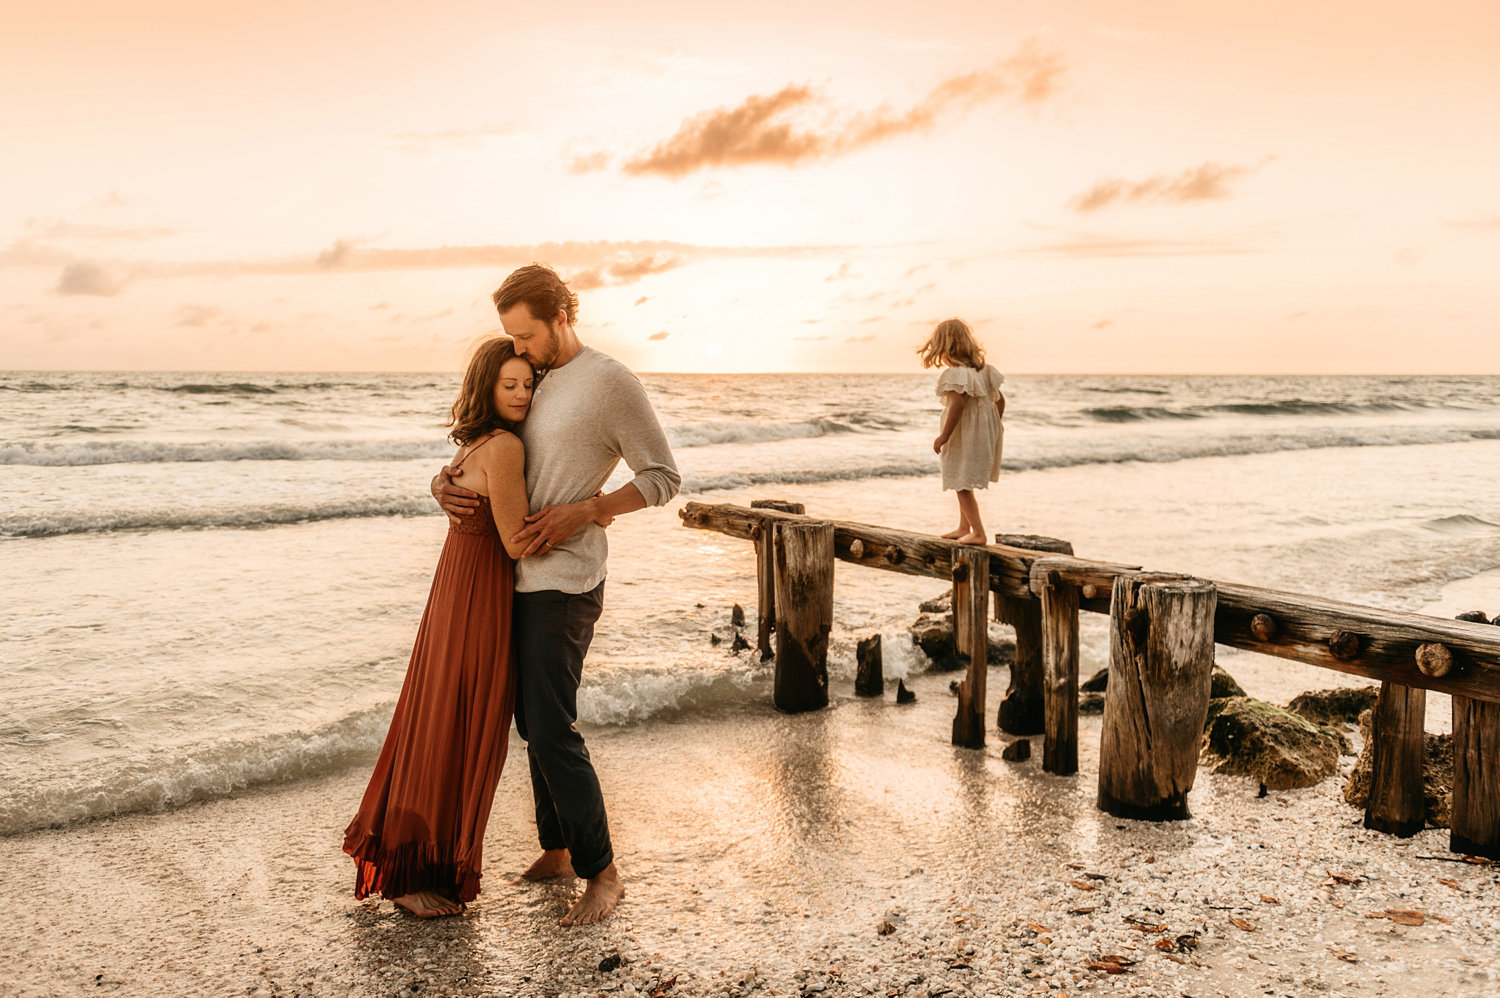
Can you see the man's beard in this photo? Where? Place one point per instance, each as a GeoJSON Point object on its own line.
{"type": "Point", "coordinates": [552, 347]}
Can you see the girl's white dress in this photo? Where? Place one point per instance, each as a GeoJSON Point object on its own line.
{"type": "Point", "coordinates": [971, 457]}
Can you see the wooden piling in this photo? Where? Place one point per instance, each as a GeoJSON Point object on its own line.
{"type": "Point", "coordinates": [1396, 804]}
{"type": "Point", "coordinates": [971, 605]}
{"type": "Point", "coordinates": [1060, 671]}
{"type": "Point", "coordinates": [804, 614]}
{"type": "Point", "coordinates": [765, 574]}
{"type": "Point", "coordinates": [868, 678]}
{"type": "Point", "coordinates": [1022, 709]}
{"type": "Point", "coordinates": [1161, 656]}
{"type": "Point", "coordinates": [1476, 778]}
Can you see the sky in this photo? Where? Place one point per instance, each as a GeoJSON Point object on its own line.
{"type": "Point", "coordinates": [1277, 186]}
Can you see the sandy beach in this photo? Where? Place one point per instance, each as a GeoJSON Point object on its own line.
{"type": "Point", "coordinates": [851, 851]}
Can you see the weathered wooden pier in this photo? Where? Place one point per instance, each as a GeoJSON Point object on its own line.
{"type": "Point", "coordinates": [1163, 629]}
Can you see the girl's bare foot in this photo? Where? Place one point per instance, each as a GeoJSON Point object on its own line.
{"type": "Point", "coordinates": [552, 863]}
{"type": "Point", "coordinates": [956, 532]}
{"type": "Point", "coordinates": [975, 538]}
{"type": "Point", "coordinates": [599, 899]}
{"type": "Point", "coordinates": [428, 904]}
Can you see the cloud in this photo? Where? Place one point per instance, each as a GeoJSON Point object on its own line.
{"type": "Point", "coordinates": [860, 339]}
{"type": "Point", "coordinates": [590, 264]}
{"type": "Point", "coordinates": [634, 269]}
{"type": "Point", "coordinates": [585, 280]}
{"type": "Point", "coordinates": [56, 228]}
{"type": "Point", "coordinates": [1103, 324]}
{"type": "Point", "coordinates": [1109, 246]}
{"type": "Point", "coordinates": [1208, 181]}
{"type": "Point", "coordinates": [659, 336]}
{"type": "Point", "coordinates": [844, 273]}
{"type": "Point", "coordinates": [1491, 224]}
{"type": "Point", "coordinates": [589, 162]}
{"type": "Point", "coordinates": [195, 315]}
{"type": "Point", "coordinates": [643, 299]}
{"type": "Point", "coordinates": [335, 255]}
{"type": "Point", "coordinates": [85, 277]}
{"type": "Point", "coordinates": [765, 129]}
{"type": "Point", "coordinates": [809, 339]}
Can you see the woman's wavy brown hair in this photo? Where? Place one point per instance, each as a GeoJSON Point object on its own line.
{"type": "Point", "coordinates": [474, 414]}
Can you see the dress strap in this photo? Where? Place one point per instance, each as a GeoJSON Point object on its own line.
{"type": "Point", "coordinates": [481, 443]}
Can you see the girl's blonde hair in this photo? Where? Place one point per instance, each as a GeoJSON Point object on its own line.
{"type": "Point", "coordinates": [952, 344]}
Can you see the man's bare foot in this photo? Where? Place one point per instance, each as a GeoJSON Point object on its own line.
{"type": "Point", "coordinates": [428, 904]}
{"type": "Point", "coordinates": [599, 899]}
{"type": "Point", "coordinates": [552, 863]}
{"type": "Point", "coordinates": [975, 538]}
{"type": "Point", "coordinates": [956, 533]}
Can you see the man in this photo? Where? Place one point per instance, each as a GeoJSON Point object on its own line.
{"type": "Point", "coordinates": [588, 413]}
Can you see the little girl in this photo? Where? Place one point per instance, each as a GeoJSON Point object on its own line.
{"type": "Point", "coordinates": [972, 432]}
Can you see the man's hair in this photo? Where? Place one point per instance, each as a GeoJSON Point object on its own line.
{"type": "Point", "coordinates": [538, 287]}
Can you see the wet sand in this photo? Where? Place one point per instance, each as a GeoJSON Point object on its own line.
{"type": "Point", "coordinates": [764, 855]}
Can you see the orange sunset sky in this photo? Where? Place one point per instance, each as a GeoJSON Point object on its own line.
{"type": "Point", "coordinates": [1121, 185]}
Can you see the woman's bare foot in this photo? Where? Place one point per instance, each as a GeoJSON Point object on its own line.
{"type": "Point", "coordinates": [599, 899]}
{"type": "Point", "coordinates": [552, 863]}
{"type": "Point", "coordinates": [956, 532]}
{"type": "Point", "coordinates": [975, 538]}
{"type": "Point", "coordinates": [428, 904]}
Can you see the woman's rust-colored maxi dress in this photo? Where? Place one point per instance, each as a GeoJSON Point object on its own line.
{"type": "Point", "coordinates": [421, 823]}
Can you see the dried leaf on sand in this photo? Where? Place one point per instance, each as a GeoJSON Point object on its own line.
{"type": "Point", "coordinates": [1111, 963]}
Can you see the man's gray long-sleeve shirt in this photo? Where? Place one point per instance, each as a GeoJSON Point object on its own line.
{"type": "Point", "coordinates": [585, 418]}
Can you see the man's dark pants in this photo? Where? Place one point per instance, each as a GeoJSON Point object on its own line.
{"type": "Point", "coordinates": [552, 632]}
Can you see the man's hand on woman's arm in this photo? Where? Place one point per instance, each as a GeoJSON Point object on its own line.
{"type": "Point", "coordinates": [455, 499]}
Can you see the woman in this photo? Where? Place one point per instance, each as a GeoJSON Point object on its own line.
{"type": "Point", "coordinates": [419, 833]}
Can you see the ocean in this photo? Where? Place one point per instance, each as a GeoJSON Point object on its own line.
{"type": "Point", "coordinates": [212, 581]}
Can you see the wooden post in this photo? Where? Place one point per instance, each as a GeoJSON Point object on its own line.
{"type": "Point", "coordinates": [1161, 657]}
{"type": "Point", "coordinates": [971, 606]}
{"type": "Point", "coordinates": [1476, 778]}
{"type": "Point", "coordinates": [804, 614]}
{"type": "Point", "coordinates": [868, 678]}
{"type": "Point", "coordinates": [1060, 672]}
{"type": "Point", "coordinates": [1396, 804]}
{"type": "Point", "coordinates": [765, 575]}
{"type": "Point", "coordinates": [1023, 706]}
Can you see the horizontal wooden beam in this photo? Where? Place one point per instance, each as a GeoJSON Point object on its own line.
{"type": "Point", "coordinates": [1346, 637]}
{"type": "Point", "coordinates": [1361, 640]}
{"type": "Point", "coordinates": [900, 551]}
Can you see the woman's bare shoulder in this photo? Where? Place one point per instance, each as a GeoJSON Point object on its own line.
{"type": "Point", "coordinates": [501, 447]}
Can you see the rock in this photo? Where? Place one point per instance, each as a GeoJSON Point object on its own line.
{"type": "Point", "coordinates": [714, 639]}
{"type": "Point", "coordinates": [1474, 617]}
{"type": "Point", "coordinates": [1097, 683]}
{"type": "Point", "coordinates": [1017, 751]}
{"type": "Point", "coordinates": [739, 644]}
{"type": "Point", "coordinates": [609, 964]}
{"type": "Point", "coordinates": [934, 633]}
{"type": "Point", "coordinates": [1337, 706]}
{"type": "Point", "coordinates": [1248, 737]}
{"type": "Point", "coordinates": [1223, 686]}
{"type": "Point", "coordinates": [1437, 775]}
{"type": "Point", "coordinates": [1091, 703]}
{"type": "Point", "coordinates": [941, 603]}
{"type": "Point", "coordinates": [904, 695]}
{"type": "Point", "coordinates": [737, 616]}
